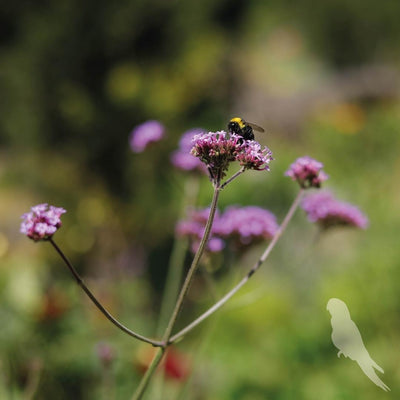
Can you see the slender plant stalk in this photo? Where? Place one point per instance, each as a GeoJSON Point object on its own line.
{"type": "Point", "coordinates": [92, 297]}
{"type": "Point", "coordinates": [194, 266]}
{"type": "Point", "coordinates": [178, 306]}
{"type": "Point", "coordinates": [175, 267]}
{"type": "Point", "coordinates": [139, 392]}
{"type": "Point", "coordinates": [234, 176]}
{"type": "Point", "coordinates": [175, 272]}
{"type": "Point", "coordinates": [255, 267]}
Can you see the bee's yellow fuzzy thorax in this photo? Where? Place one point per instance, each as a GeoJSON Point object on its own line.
{"type": "Point", "coordinates": [239, 121]}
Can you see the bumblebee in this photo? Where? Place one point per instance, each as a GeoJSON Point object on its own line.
{"type": "Point", "coordinates": [245, 129]}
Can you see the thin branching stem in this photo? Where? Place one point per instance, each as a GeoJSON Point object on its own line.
{"type": "Point", "coordinates": [92, 297]}
{"type": "Point", "coordinates": [182, 295]}
{"type": "Point", "coordinates": [176, 262]}
{"type": "Point", "coordinates": [234, 176]}
{"type": "Point", "coordinates": [245, 279]}
{"type": "Point", "coordinates": [194, 266]}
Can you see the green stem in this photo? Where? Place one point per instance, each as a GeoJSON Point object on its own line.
{"type": "Point", "coordinates": [149, 373]}
{"type": "Point", "coordinates": [175, 267]}
{"type": "Point", "coordinates": [194, 266]}
{"type": "Point", "coordinates": [92, 297]}
{"type": "Point", "coordinates": [178, 306]}
{"type": "Point", "coordinates": [255, 267]}
{"type": "Point", "coordinates": [234, 176]}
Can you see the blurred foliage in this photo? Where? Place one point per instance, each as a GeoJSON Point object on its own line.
{"type": "Point", "coordinates": [76, 77]}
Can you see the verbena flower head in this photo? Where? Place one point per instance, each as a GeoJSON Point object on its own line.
{"type": "Point", "coordinates": [307, 172]}
{"type": "Point", "coordinates": [41, 222]}
{"type": "Point", "coordinates": [144, 134]}
{"type": "Point", "coordinates": [253, 156]}
{"type": "Point", "coordinates": [327, 211]}
{"type": "Point", "coordinates": [246, 225]}
{"type": "Point", "coordinates": [182, 158]}
{"type": "Point", "coordinates": [218, 149]}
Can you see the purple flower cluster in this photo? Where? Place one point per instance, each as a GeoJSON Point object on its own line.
{"type": "Point", "coordinates": [144, 134]}
{"type": "Point", "coordinates": [327, 211]}
{"type": "Point", "coordinates": [182, 158]}
{"type": "Point", "coordinates": [242, 226]}
{"type": "Point", "coordinates": [307, 172]}
{"type": "Point", "coordinates": [218, 149]}
{"type": "Point", "coordinates": [41, 222]}
{"type": "Point", "coordinates": [247, 225]}
{"type": "Point", "coordinates": [254, 156]}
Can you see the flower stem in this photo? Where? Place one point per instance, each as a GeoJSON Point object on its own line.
{"type": "Point", "coordinates": [255, 267]}
{"type": "Point", "coordinates": [178, 306]}
{"type": "Point", "coordinates": [176, 262]}
{"type": "Point", "coordinates": [92, 297]}
{"type": "Point", "coordinates": [149, 373]}
{"type": "Point", "coordinates": [234, 176]}
{"type": "Point", "coordinates": [194, 266]}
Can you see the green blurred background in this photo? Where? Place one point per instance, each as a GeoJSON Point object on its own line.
{"type": "Point", "coordinates": [76, 77]}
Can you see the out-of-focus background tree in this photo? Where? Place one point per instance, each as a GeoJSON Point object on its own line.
{"type": "Point", "coordinates": [76, 77]}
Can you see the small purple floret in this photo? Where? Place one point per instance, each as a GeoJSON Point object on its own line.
{"type": "Point", "coordinates": [327, 211]}
{"type": "Point", "coordinates": [144, 134]}
{"type": "Point", "coordinates": [42, 222]}
{"type": "Point", "coordinates": [307, 172]}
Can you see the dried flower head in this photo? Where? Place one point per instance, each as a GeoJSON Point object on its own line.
{"type": "Point", "coordinates": [327, 211]}
{"type": "Point", "coordinates": [41, 222]}
{"type": "Point", "coordinates": [144, 134]}
{"type": "Point", "coordinates": [307, 172]}
{"type": "Point", "coordinates": [246, 225]}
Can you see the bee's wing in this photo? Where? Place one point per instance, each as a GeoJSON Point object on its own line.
{"type": "Point", "coordinates": [255, 127]}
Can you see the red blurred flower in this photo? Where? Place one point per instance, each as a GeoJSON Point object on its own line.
{"type": "Point", "coordinates": [175, 365]}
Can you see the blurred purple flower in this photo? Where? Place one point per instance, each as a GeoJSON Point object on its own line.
{"type": "Point", "coordinates": [247, 224]}
{"type": "Point", "coordinates": [253, 156]}
{"type": "Point", "coordinates": [243, 225]}
{"type": "Point", "coordinates": [307, 172]}
{"type": "Point", "coordinates": [194, 226]}
{"type": "Point", "coordinates": [144, 134]}
{"type": "Point", "coordinates": [182, 158]}
{"type": "Point", "coordinates": [105, 353]}
{"type": "Point", "coordinates": [327, 211]}
{"type": "Point", "coordinates": [41, 222]}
